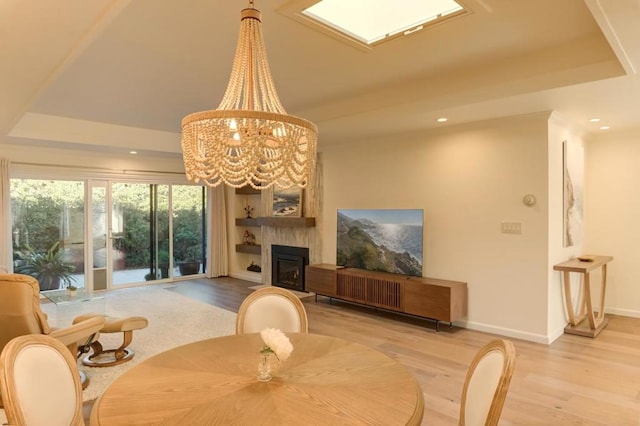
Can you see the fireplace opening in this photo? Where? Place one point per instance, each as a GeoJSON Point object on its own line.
{"type": "Point", "coordinates": [287, 266]}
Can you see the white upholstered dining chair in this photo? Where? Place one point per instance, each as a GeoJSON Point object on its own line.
{"type": "Point", "coordinates": [40, 382]}
{"type": "Point", "coordinates": [271, 307]}
{"type": "Point", "coordinates": [487, 383]}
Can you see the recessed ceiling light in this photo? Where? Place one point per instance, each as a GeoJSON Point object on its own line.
{"type": "Point", "coordinates": [604, 127]}
{"type": "Point", "coordinates": [594, 120]}
{"type": "Point", "coordinates": [442, 120]}
{"type": "Point", "coordinates": [133, 152]}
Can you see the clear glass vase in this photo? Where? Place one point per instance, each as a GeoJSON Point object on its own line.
{"type": "Point", "coordinates": [264, 367]}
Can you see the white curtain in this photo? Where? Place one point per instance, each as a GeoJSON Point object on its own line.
{"type": "Point", "coordinates": [218, 255]}
{"type": "Point", "coordinates": [5, 217]}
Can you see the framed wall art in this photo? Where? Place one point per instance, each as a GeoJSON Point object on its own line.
{"type": "Point", "coordinates": [573, 192]}
{"type": "Point", "coordinates": [287, 202]}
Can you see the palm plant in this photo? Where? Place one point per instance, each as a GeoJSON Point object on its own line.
{"type": "Point", "coordinates": [49, 268]}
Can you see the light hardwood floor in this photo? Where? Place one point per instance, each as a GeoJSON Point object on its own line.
{"type": "Point", "coordinates": [574, 381]}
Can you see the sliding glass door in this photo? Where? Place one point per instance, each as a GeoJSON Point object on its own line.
{"type": "Point", "coordinates": [189, 248]}
{"type": "Point", "coordinates": [48, 231]}
{"type": "Point", "coordinates": [137, 231]}
{"type": "Point", "coordinates": [157, 231]}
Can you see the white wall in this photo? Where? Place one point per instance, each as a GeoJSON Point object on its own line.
{"type": "Point", "coordinates": [560, 130]}
{"type": "Point", "coordinates": [468, 179]}
{"type": "Point", "coordinates": [613, 215]}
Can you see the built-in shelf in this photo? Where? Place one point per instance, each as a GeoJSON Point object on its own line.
{"type": "Point", "coordinates": [276, 221]}
{"type": "Point", "coordinates": [244, 221]}
{"type": "Point", "coordinates": [249, 248]}
{"type": "Point", "coordinates": [287, 221]}
{"type": "Point", "coordinates": [247, 190]}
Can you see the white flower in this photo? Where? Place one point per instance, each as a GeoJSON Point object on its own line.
{"type": "Point", "coordinates": [276, 342]}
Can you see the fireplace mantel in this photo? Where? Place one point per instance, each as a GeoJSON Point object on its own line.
{"type": "Point", "coordinates": [287, 221]}
{"type": "Point", "coordinates": [302, 222]}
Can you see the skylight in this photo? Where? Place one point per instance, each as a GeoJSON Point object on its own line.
{"type": "Point", "coordinates": [372, 21]}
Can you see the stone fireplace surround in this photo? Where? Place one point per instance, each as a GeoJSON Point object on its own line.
{"type": "Point", "coordinates": [305, 236]}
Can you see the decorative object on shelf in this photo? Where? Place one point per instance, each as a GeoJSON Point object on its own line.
{"type": "Point", "coordinates": [248, 238]}
{"type": "Point", "coordinates": [254, 268]}
{"type": "Point", "coordinates": [248, 211]}
{"type": "Point", "coordinates": [287, 202]}
{"type": "Point", "coordinates": [277, 343]}
{"type": "Point", "coordinates": [249, 139]}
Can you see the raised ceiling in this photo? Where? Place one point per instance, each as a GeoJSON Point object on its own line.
{"type": "Point", "coordinates": [121, 74]}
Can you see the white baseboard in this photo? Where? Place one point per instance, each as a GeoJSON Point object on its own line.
{"type": "Point", "coordinates": [539, 338]}
{"type": "Point", "coordinates": [555, 335]}
{"type": "Point", "coordinates": [622, 312]}
{"type": "Point", "coordinates": [508, 332]}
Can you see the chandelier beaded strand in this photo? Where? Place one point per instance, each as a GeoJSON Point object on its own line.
{"type": "Point", "coordinates": [249, 139]}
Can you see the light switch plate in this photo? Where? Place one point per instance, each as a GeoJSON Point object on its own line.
{"type": "Point", "coordinates": [511, 227]}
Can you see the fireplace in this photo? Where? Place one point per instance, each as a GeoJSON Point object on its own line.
{"type": "Point", "coordinates": [287, 266]}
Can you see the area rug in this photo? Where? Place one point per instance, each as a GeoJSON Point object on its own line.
{"type": "Point", "coordinates": [300, 294]}
{"type": "Point", "coordinates": [174, 320]}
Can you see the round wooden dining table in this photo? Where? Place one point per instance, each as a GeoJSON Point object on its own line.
{"type": "Point", "coordinates": [326, 381]}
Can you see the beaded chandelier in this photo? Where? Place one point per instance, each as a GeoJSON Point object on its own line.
{"type": "Point", "coordinates": [249, 139]}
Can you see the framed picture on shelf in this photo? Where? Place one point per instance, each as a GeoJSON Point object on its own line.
{"type": "Point", "coordinates": [287, 202]}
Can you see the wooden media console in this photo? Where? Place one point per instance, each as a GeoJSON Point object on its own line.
{"type": "Point", "coordinates": [436, 299]}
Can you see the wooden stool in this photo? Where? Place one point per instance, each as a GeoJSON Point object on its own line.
{"type": "Point", "coordinates": [114, 325]}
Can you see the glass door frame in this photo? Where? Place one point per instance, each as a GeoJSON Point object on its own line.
{"type": "Point", "coordinates": [94, 178]}
{"type": "Point", "coordinates": [155, 209]}
{"type": "Point", "coordinates": [91, 238]}
{"type": "Point", "coordinates": [110, 232]}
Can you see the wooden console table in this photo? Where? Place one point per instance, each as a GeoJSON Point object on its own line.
{"type": "Point", "coordinates": [596, 321]}
{"type": "Point", "coordinates": [436, 299]}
